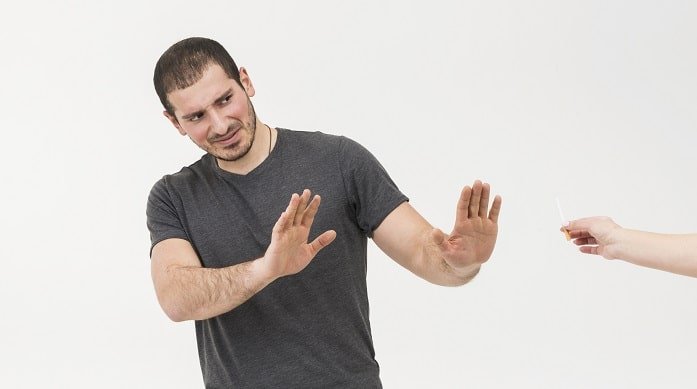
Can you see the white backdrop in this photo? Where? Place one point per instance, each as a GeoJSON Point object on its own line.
{"type": "Point", "coordinates": [589, 101]}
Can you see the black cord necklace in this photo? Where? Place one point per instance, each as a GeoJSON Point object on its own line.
{"type": "Point", "coordinates": [270, 138]}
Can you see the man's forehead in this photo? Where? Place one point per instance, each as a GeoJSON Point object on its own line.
{"type": "Point", "coordinates": [213, 83]}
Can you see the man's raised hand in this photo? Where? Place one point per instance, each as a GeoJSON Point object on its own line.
{"type": "Point", "coordinates": [473, 237]}
{"type": "Point", "coordinates": [289, 251]}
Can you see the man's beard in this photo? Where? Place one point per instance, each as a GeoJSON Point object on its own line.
{"type": "Point", "coordinates": [241, 149]}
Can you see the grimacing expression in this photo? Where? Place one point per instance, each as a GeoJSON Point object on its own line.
{"type": "Point", "coordinates": [216, 113]}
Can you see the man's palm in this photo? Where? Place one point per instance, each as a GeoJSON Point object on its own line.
{"type": "Point", "coordinates": [473, 238]}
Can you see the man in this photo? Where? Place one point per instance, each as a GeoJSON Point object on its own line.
{"type": "Point", "coordinates": [271, 309]}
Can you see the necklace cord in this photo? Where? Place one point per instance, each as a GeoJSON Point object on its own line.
{"type": "Point", "coordinates": [270, 138]}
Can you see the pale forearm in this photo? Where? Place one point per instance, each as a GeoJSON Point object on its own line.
{"type": "Point", "coordinates": [197, 293]}
{"type": "Point", "coordinates": [673, 253]}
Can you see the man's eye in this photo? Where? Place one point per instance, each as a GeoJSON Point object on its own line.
{"type": "Point", "coordinates": [195, 118]}
{"type": "Point", "coordinates": [226, 99]}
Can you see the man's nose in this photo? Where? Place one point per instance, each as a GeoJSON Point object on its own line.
{"type": "Point", "coordinates": [217, 123]}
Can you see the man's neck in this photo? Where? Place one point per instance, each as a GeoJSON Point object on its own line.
{"type": "Point", "coordinates": [260, 150]}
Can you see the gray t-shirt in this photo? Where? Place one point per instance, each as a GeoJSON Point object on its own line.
{"type": "Point", "coordinates": [302, 331]}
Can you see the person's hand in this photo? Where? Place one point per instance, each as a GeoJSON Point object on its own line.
{"type": "Point", "coordinates": [595, 235]}
{"type": "Point", "coordinates": [473, 238]}
{"type": "Point", "coordinates": [289, 251]}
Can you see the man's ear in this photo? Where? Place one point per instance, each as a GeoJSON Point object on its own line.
{"type": "Point", "coordinates": [246, 82]}
{"type": "Point", "coordinates": [174, 122]}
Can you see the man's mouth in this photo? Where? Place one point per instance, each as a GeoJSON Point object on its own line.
{"type": "Point", "coordinates": [225, 138]}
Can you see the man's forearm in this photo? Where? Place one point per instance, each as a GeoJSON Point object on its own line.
{"type": "Point", "coordinates": [197, 293]}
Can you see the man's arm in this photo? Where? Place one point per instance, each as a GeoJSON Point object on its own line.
{"type": "Point", "coordinates": [602, 236]}
{"type": "Point", "coordinates": [188, 291]}
{"type": "Point", "coordinates": [449, 260]}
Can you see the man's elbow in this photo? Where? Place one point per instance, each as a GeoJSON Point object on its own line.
{"type": "Point", "coordinates": [171, 307]}
{"type": "Point", "coordinates": [173, 311]}
{"type": "Point", "coordinates": [176, 315]}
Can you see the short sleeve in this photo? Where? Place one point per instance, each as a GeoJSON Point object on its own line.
{"type": "Point", "coordinates": [162, 217]}
{"type": "Point", "coordinates": [370, 190]}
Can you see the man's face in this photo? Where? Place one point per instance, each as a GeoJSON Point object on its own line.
{"type": "Point", "coordinates": [216, 113]}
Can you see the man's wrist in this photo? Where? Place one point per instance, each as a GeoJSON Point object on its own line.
{"type": "Point", "coordinates": [262, 271]}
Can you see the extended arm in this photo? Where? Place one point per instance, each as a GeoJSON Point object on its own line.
{"type": "Point", "coordinates": [188, 291]}
{"type": "Point", "coordinates": [602, 236]}
{"type": "Point", "coordinates": [448, 260]}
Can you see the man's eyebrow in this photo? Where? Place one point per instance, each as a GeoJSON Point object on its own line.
{"type": "Point", "coordinates": [222, 97]}
{"type": "Point", "coordinates": [190, 115]}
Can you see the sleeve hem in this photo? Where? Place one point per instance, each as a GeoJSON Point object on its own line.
{"type": "Point", "coordinates": [388, 210]}
{"type": "Point", "coordinates": [165, 237]}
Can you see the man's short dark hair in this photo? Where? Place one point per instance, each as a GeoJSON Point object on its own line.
{"type": "Point", "coordinates": [184, 62]}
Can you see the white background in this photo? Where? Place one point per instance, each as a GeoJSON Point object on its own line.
{"type": "Point", "coordinates": [589, 101]}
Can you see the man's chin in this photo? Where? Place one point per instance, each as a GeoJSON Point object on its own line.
{"type": "Point", "coordinates": [229, 155]}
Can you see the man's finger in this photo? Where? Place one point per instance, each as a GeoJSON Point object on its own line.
{"type": "Point", "coordinates": [304, 199]}
{"type": "Point", "coordinates": [281, 222]}
{"type": "Point", "coordinates": [474, 200]}
{"type": "Point", "coordinates": [290, 211]}
{"type": "Point", "coordinates": [495, 209]}
{"type": "Point", "coordinates": [322, 241]}
{"type": "Point", "coordinates": [464, 203]}
{"type": "Point", "coordinates": [484, 202]}
{"type": "Point", "coordinates": [311, 211]}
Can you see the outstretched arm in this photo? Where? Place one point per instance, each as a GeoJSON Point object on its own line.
{"type": "Point", "coordinates": [602, 236]}
{"type": "Point", "coordinates": [450, 260]}
{"type": "Point", "coordinates": [188, 291]}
